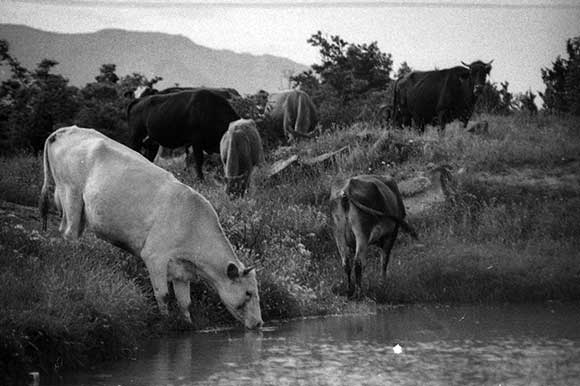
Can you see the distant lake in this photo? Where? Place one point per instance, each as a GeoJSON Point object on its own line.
{"type": "Point", "coordinates": [537, 344]}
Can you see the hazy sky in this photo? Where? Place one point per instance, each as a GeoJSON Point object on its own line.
{"type": "Point", "coordinates": [521, 36]}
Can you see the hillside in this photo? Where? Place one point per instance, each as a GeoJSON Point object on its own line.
{"type": "Point", "coordinates": [175, 58]}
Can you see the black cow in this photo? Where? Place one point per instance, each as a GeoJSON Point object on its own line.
{"type": "Point", "coordinates": [366, 210]}
{"type": "Point", "coordinates": [442, 96]}
{"type": "Point", "coordinates": [196, 118]}
{"type": "Point", "coordinates": [225, 92]}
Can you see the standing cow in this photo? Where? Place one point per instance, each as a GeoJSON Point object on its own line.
{"type": "Point", "coordinates": [131, 203]}
{"type": "Point", "coordinates": [196, 118]}
{"type": "Point", "coordinates": [240, 150]}
{"type": "Point", "coordinates": [366, 210]}
{"type": "Point", "coordinates": [292, 113]}
{"type": "Point", "coordinates": [443, 95]}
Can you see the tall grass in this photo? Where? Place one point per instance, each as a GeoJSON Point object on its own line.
{"type": "Point", "coordinates": [63, 304]}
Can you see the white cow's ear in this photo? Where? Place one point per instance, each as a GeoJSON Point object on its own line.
{"type": "Point", "coordinates": [233, 271]}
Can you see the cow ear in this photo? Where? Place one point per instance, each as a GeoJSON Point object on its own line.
{"type": "Point", "coordinates": [233, 271]}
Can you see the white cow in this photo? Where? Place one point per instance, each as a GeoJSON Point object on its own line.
{"type": "Point", "coordinates": [126, 200]}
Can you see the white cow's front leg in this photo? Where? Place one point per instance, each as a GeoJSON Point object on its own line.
{"type": "Point", "coordinates": [181, 289]}
{"type": "Point", "coordinates": [157, 268]}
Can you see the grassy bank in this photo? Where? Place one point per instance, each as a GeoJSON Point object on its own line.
{"type": "Point", "coordinates": [511, 234]}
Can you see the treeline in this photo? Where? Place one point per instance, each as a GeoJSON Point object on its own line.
{"type": "Point", "coordinates": [352, 83]}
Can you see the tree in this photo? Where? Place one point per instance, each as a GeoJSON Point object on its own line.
{"type": "Point", "coordinates": [495, 101]}
{"type": "Point", "coordinates": [347, 75]}
{"type": "Point", "coordinates": [403, 70]}
{"type": "Point", "coordinates": [107, 74]}
{"type": "Point", "coordinates": [351, 69]}
{"type": "Point", "coordinates": [32, 103]}
{"type": "Point", "coordinates": [526, 102]}
{"type": "Point", "coordinates": [52, 102]}
{"type": "Point", "coordinates": [562, 93]}
{"type": "Point", "coordinates": [104, 102]}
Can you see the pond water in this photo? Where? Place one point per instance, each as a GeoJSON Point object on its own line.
{"type": "Point", "coordinates": [535, 344]}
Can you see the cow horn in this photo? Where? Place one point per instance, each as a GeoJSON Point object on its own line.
{"type": "Point", "coordinates": [465, 64]}
{"type": "Point", "coordinates": [249, 269]}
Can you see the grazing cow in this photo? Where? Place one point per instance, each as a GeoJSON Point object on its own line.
{"type": "Point", "coordinates": [196, 118]}
{"type": "Point", "coordinates": [241, 150]}
{"type": "Point", "coordinates": [131, 203]}
{"type": "Point", "coordinates": [292, 113]}
{"type": "Point", "coordinates": [443, 95]}
{"type": "Point", "coordinates": [366, 210]}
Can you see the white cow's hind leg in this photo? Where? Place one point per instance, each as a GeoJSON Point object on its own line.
{"type": "Point", "coordinates": [72, 207]}
{"type": "Point", "coordinates": [181, 289]}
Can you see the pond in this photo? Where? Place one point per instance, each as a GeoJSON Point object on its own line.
{"type": "Point", "coordinates": [536, 344]}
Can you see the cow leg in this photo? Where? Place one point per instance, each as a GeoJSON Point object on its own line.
{"type": "Point", "coordinates": [198, 153]}
{"type": "Point", "coordinates": [343, 250]}
{"type": "Point", "coordinates": [442, 120]}
{"type": "Point", "coordinates": [157, 268]}
{"type": "Point", "coordinates": [386, 251]}
{"type": "Point", "coordinates": [58, 193]}
{"type": "Point", "coordinates": [347, 265]}
{"type": "Point", "coordinates": [288, 127]}
{"type": "Point", "coordinates": [72, 208]}
{"type": "Point", "coordinates": [181, 289]}
{"type": "Point", "coordinates": [362, 243]}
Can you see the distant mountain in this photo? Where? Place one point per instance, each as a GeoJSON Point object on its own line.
{"type": "Point", "coordinates": [174, 57]}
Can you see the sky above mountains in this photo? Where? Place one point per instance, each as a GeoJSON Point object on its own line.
{"type": "Point", "coordinates": [521, 36]}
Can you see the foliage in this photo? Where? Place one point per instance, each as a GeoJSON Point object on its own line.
{"type": "Point", "coordinates": [35, 103]}
{"type": "Point", "coordinates": [348, 74]}
{"type": "Point", "coordinates": [32, 103]}
{"type": "Point", "coordinates": [403, 70]}
{"type": "Point", "coordinates": [100, 105]}
{"type": "Point", "coordinates": [526, 102]}
{"type": "Point", "coordinates": [562, 93]}
{"type": "Point", "coordinates": [64, 305]}
{"type": "Point", "coordinates": [495, 101]}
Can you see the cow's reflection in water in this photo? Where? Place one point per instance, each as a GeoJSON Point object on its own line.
{"type": "Point", "coordinates": [196, 357]}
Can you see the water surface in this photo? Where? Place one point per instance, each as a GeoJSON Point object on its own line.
{"type": "Point", "coordinates": [446, 345]}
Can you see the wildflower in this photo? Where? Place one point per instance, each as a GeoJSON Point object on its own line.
{"type": "Point", "coordinates": [35, 235]}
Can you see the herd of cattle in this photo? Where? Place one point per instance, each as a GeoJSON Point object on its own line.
{"type": "Point", "coordinates": [125, 199]}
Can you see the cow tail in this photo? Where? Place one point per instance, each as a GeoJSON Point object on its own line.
{"type": "Point", "coordinates": [400, 221]}
{"type": "Point", "coordinates": [43, 203]}
{"type": "Point", "coordinates": [232, 161]}
{"type": "Point", "coordinates": [300, 115]}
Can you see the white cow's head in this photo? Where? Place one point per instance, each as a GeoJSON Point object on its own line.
{"type": "Point", "coordinates": [240, 295]}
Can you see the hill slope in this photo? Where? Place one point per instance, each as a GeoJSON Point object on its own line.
{"type": "Point", "coordinates": [175, 58]}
